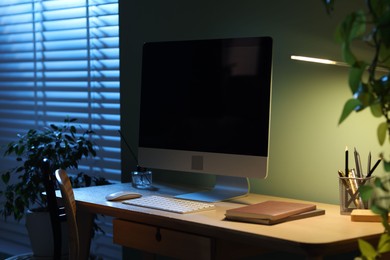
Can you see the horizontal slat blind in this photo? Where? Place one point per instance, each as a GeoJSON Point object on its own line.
{"type": "Point", "coordinates": [60, 58]}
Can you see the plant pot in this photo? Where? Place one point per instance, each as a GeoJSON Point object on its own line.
{"type": "Point", "coordinates": [40, 232]}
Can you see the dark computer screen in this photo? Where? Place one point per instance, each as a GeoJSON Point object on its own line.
{"type": "Point", "coordinates": [207, 95]}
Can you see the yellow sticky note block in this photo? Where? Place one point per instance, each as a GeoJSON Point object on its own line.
{"type": "Point", "coordinates": [365, 215]}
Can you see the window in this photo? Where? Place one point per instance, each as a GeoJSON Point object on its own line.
{"type": "Point", "coordinates": [61, 58]}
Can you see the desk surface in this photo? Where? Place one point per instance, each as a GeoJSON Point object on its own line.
{"type": "Point", "coordinates": [317, 235]}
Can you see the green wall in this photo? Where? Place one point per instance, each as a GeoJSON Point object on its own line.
{"type": "Point", "coordinates": [307, 145]}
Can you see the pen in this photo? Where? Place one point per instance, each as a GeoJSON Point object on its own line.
{"type": "Point", "coordinates": [359, 172]}
{"type": "Point", "coordinates": [346, 162]}
{"type": "Point", "coordinates": [354, 186]}
{"type": "Point", "coordinates": [373, 168]}
{"type": "Point", "coordinates": [345, 183]}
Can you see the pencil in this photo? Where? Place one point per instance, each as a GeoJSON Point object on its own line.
{"type": "Point", "coordinates": [373, 168]}
{"type": "Point", "coordinates": [369, 163]}
{"type": "Point", "coordinates": [346, 162]}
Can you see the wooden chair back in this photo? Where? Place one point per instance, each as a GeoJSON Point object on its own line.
{"type": "Point", "coordinates": [70, 209]}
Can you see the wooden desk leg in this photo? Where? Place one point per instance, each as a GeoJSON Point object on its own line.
{"type": "Point", "coordinates": [85, 225]}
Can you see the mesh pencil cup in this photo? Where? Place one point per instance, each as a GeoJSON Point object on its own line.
{"type": "Point", "coordinates": [350, 198]}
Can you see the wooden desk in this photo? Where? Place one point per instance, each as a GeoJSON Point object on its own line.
{"type": "Point", "coordinates": [207, 235]}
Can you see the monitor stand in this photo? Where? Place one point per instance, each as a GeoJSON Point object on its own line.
{"type": "Point", "coordinates": [226, 187]}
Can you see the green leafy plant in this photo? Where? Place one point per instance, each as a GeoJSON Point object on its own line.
{"type": "Point", "coordinates": [378, 194]}
{"type": "Point", "coordinates": [62, 145]}
{"type": "Point", "coordinates": [369, 75]}
{"type": "Point", "coordinates": [362, 32]}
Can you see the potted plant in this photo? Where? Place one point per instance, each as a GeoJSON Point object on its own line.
{"type": "Point", "coordinates": [24, 186]}
{"type": "Point", "coordinates": [368, 30]}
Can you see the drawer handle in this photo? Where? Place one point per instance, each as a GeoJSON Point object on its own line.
{"type": "Point", "coordinates": [158, 235]}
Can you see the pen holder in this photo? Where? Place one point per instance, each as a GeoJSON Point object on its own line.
{"type": "Point", "coordinates": [141, 179]}
{"type": "Point", "coordinates": [350, 198]}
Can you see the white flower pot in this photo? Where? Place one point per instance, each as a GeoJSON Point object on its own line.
{"type": "Point", "coordinates": [39, 229]}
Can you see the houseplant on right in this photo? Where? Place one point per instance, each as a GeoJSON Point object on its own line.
{"type": "Point", "coordinates": [369, 82]}
{"type": "Point", "coordinates": [24, 186]}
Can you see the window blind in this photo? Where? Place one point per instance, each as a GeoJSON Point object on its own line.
{"type": "Point", "coordinates": [60, 58]}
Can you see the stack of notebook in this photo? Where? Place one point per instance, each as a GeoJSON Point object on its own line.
{"type": "Point", "coordinates": [273, 212]}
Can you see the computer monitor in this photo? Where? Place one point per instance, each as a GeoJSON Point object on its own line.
{"type": "Point", "coordinates": [205, 107]}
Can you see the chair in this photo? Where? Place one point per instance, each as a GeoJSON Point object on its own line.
{"type": "Point", "coordinates": [70, 209]}
{"type": "Point", "coordinates": [57, 214]}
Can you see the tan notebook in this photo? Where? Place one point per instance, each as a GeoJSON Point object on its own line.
{"type": "Point", "coordinates": [312, 213]}
{"type": "Point", "coordinates": [271, 210]}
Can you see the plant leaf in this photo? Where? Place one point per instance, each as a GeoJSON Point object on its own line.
{"type": "Point", "coordinates": [382, 132]}
{"type": "Point", "coordinates": [376, 110]}
{"type": "Point", "coordinates": [367, 250]}
{"type": "Point", "coordinates": [351, 105]}
{"type": "Point", "coordinates": [378, 209]}
{"type": "Point", "coordinates": [386, 165]}
{"type": "Point", "coordinates": [384, 243]}
{"type": "Point", "coordinates": [5, 177]}
{"type": "Point", "coordinates": [385, 219]}
{"type": "Point", "coordinates": [366, 192]}
{"type": "Point", "coordinates": [347, 54]}
{"type": "Point", "coordinates": [383, 24]}
{"type": "Point", "coordinates": [355, 76]}
{"type": "Point", "coordinates": [54, 127]}
{"type": "Point", "coordinates": [352, 27]}
{"type": "Point", "coordinates": [379, 184]}
{"type": "Point", "coordinates": [384, 53]}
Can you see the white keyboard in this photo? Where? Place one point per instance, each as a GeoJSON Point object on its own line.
{"type": "Point", "coordinates": [170, 204]}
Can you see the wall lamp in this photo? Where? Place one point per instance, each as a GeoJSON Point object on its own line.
{"type": "Point", "coordinates": [317, 60]}
{"type": "Point", "coordinates": [329, 62]}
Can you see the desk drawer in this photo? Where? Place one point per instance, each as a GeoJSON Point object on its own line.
{"type": "Point", "coordinates": [161, 241]}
